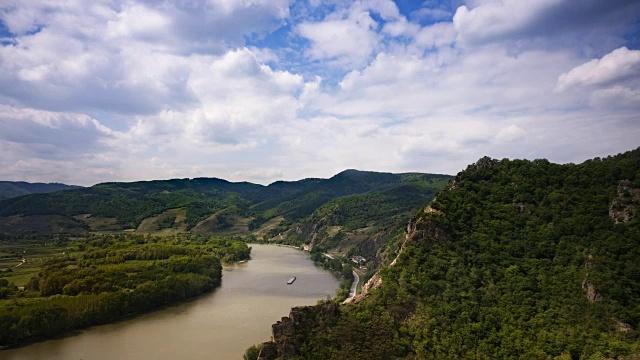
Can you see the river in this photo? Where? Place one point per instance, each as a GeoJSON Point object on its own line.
{"type": "Point", "coordinates": [219, 325]}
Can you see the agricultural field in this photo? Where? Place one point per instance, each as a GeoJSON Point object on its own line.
{"type": "Point", "coordinates": [19, 261]}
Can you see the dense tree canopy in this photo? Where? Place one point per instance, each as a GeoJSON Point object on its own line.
{"type": "Point", "coordinates": [516, 259]}
{"type": "Point", "coordinates": [102, 278]}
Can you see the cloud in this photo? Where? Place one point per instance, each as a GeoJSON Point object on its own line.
{"type": "Point", "coordinates": [616, 97]}
{"type": "Point", "coordinates": [563, 21]}
{"type": "Point", "coordinates": [258, 90]}
{"type": "Point", "coordinates": [344, 42]}
{"type": "Point", "coordinates": [49, 146]}
{"type": "Point", "coordinates": [510, 133]}
{"type": "Point", "coordinates": [620, 65]}
{"type": "Point", "coordinates": [259, 175]}
{"type": "Point", "coordinates": [348, 35]}
{"type": "Point", "coordinates": [123, 57]}
{"type": "Point", "coordinates": [433, 14]}
{"type": "Point", "coordinates": [435, 36]}
{"type": "Point", "coordinates": [47, 135]}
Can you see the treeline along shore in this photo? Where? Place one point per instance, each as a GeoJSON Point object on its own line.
{"type": "Point", "coordinates": [102, 278]}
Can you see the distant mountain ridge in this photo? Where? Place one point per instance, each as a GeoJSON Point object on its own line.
{"type": "Point", "coordinates": [210, 206]}
{"type": "Point", "coordinates": [11, 189]}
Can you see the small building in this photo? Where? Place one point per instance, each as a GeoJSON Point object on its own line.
{"type": "Point", "coordinates": [358, 259]}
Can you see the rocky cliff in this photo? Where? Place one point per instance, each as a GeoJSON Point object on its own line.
{"type": "Point", "coordinates": [284, 342]}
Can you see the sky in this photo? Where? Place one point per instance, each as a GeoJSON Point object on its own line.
{"type": "Point", "coordinates": [265, 90]}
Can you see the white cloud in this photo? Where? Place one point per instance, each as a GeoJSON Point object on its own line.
{"type": "Point", "coordinates": [436, 35]}
{"type": "Point", "coordinates": [401, 27]}
{"type": "Point", "coordinates": [98, 91]}
{"type": "Point", "coordinates": [620, 65]}
{"type": "Point", "coordinates": [589, 22]}
{"type": "Point", "coordinates": [616, 97]}
{"type": "Point", "coordinates": [344, 42]}
{"type": "Point", "coordinates": [510, 133]}
{"type": "Point", "coordinates": [434, 14]}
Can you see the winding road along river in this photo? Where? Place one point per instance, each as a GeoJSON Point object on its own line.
{"type": "Point", "coordinates": [219, 325]}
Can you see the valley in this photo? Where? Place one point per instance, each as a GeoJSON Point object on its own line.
{"type": "Point", "coordinates": [507, 258]}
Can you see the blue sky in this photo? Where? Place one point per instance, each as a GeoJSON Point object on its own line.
{"type": "Point", "coordinates": [264, 90]}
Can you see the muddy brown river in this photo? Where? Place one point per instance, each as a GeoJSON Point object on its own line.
{"type": "Point", "coordinates": [219, 325]}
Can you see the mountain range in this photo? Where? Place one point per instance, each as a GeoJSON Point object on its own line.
{"type": "Point", "coordinates": [368, 208]}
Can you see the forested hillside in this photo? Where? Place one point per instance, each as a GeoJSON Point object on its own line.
{"type": "Point", "coordinates": [369, 224]}
{"type": "Point", "coordinates": [515, 259]}
{"type": "Point", "coordinates": [356, 210]}
{"type": "Point", "coordinates": [11, 189]}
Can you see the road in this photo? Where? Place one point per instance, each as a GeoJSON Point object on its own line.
{"type": "Point", "coordinates": [23, 261]}
{"type": "Point", "coordinates": [354, 287]}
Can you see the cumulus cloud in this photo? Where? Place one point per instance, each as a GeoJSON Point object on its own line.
{"type": "Point", "coordinates": [48, 134]}
{"type": "Point", "coordinates": [344, 42]}
{"type": "Point", "coordinates": [620, 65]}
{"type": "Point", "coordinates": [265, 90]}
{"type": "Point", "coordinates": [435, 36]}
{"type": "Point", "coordinates": [590, 21]}
{"type": "Point", "coordinates": [50, 146]}
{"type": "Point", "coordinates": [127, 57]}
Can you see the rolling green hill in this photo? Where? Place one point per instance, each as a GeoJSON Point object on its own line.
{"type": "Point", "coordinates": [208, 206]}
{"type": "Point", "coordinates": [516, 259]}
{"type": "Point", "coordinates": [11, 189]}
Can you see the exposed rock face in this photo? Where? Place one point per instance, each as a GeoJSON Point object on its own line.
{"type": "Point", "coordinates": [624, 206]}
{"type": "Point", "coordinates": [373, 283]}
{"type": "Point", "coordinates": [420, 228]}
{"type": "Point", "coordinates": [591, 294]}
{"type": "Point", "coordinates": [269, 351]}
{"type": "Point", "coordinates": [283, 344]}
{"type": "Point", "coordinates": [624, 327]}
{"type": "Point", "coordinates": [417, 229]}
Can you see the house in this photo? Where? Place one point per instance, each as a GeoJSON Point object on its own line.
{"type": "Point", "coordinates": [358, 259]}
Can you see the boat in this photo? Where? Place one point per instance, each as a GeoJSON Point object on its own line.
{"type": "Point", "coordinates": [291, 280]}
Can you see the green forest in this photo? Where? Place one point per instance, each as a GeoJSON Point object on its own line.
{"type": "Point", "coordinates": [102, 278]}
{"type": "Point", "coordinates": [352, 213]}
{"type": "Point", "coordinates": [515, 259]}
{"type": "Point", "coordinates": [128, 204]}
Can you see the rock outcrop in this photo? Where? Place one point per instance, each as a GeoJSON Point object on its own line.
{"type": "Point", "coordinates": [417, 229]}
{"type": "Point", "coordinates": [624, 206]}
{"type": "Point", "coordinates": [589, 288]}
{"type": "Point", "coordinates": [284, 333]}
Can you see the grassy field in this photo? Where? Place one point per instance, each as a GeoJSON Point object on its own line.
{"type": "Point", "coordinates": [233, 224]}
{"type": "Point", "coordinates": [266, 227]}
{"type": "Point", "coordinates": [34, 254]}
{"type": "Point", "coordinates": [170, 222]}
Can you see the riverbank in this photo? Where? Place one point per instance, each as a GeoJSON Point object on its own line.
{"type": "Point", "coordinates": [97, 285]}
{"type": "Point", "coordinates": [217, 325]}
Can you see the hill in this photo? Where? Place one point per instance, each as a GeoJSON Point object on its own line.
{"type": "Point", "coordinates": [11, 189]}
{"type": "Point", "coordinates": [515, 259]}
{"type": "Point", "coordinates": [210, 206]}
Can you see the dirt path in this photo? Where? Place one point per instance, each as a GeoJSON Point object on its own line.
{"type": "Point", "coordinates": [23, 261]}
